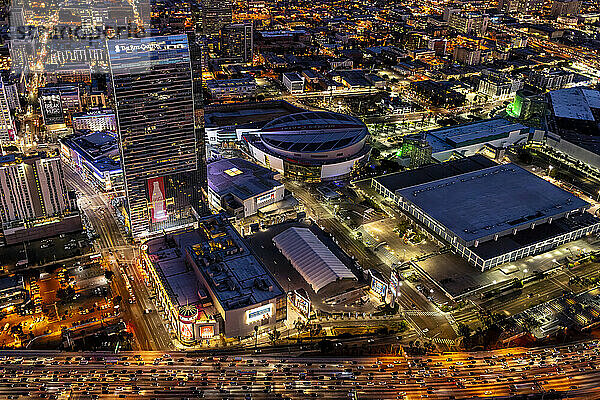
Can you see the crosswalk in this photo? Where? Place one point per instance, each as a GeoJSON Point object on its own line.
{"type": "Point", "coordinates": [423, 313]}
{"type": "Point", "coordinates": [449, 342]}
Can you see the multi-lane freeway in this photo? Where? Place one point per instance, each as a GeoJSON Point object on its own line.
{"type": "Point", "coordinates": [562, 372]}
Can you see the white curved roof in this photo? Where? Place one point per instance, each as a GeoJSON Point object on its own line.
{"type": "Point", "coordinates": [311, 258]}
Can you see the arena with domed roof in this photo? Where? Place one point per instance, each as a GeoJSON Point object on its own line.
{"type": "Point", "coordinates": [311, 145]}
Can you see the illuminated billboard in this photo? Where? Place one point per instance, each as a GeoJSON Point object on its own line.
{"type": "Point", "coordinates": [265, 198]}
{"type": "Point", "coordinates": [186, 331]}
{"type": "Point", "coordinates": [207, 331]}
{"type": "Point", "coordinates": [379, 287]}
{"type": "Point", "coordinates": [52, 110]}
{"type": "Point", "coordinates": [259, 313]}
{"type": "Point", "coordinates": [157, 199]}
{"type": "Point", "coordinates": [302, 303]}
{"type": "Point", "coordinates": [394, 283]}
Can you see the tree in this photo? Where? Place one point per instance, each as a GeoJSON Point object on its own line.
{"type": "Point", "coordinates": [375, 152]}
{"type": "Point", "coordinates": [274, 336]}
{"type": "Point", "coordinates": [66, 294]}
{"type": "Point", "coordinates": [108, 274]}
{"type": "Point", "coordinates": [464, 330]}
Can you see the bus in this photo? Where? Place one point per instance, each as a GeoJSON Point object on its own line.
{"type": "Point", "coordinates": [343, 375]}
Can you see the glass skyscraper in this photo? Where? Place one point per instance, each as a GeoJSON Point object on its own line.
{"type": "Point", "coordinates": [160, 144]}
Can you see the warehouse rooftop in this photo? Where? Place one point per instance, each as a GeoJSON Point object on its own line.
{"type": "Point", "coordinates": [575, 103]}
{"type": "Point", "coordinates": [491, 201]}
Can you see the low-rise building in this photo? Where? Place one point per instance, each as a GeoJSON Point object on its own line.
{"type": "Point", "coordinates": [232, 89]}
{"type": "Point", "coordinates": [469, 139]}
{"type": "Point", "coordinates": [95, 155]}
{"type": "Point", "coordinates": [440, 93]}
{"type": "Point", "coordinates": [241, 187]}
{"type": "Point", "coordinates": [12, 293]}
{"type": "Point", "coordinates": [497, 85]}
{"type": "Point", "coordinates": [550, 78]}
{"type": "Point", "coordinates": [467, 55]}
{"type": "Point", "coordinates": [218, 287]}
{"type": "Point", "coordinates": [469, 23]}
{"type": "Point", "coordinates": [489, 215]}
{"type": "Point", "coordinates": [226, 123]}
{"type": "Point", "coordinates": [97, 120]}
{"type": "Point", "coordinates": [293, 82]}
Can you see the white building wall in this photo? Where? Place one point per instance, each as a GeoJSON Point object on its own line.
{"type": "Point", "coordinates": [7, 127]}
{"type": "Point", "coordinates": [15, 196]}
{"type": "Point", "coordinates": [334, 170]}
{"type": "Point", "coordinates": [253, 204]}
{"type": "Point", "coordinates": [52, 185]}
{"type": "Point", "coordinates": [99, 122]}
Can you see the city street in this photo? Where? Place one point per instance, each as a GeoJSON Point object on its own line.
{"type": "Point", "coordinates": [424, 316]}
{"type": "Point", "coordinates": [148, 329]}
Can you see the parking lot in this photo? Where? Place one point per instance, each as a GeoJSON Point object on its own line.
{"type": "Point", "coordinates": [67, 297]}
{"type": "Point", "coordinates": [45, 251]}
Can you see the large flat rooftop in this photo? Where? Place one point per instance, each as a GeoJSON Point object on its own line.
{"type": "Point", "coordinates": [527, 237]}
{"type": "Point", "coordinates": [239, 177]}
{"type": "Point", "coordinates": [575, 103]}
{"type": "Point", "coordinates": [234, 274]}
{"type": "Point", "coordinates": [494, 200]}
{"type": "Point", "coordinates": [231, 271]}
{"type": "Point", "coordinates": [433, 172]}
{"type": "Point", "coordinates": [99, 148]}
{"type": "Point", "coordinates": [178, 279]}
{"type": "Point", "coordinates": [254, 114]}
{"type": "Point", "coordinates": [472, 133]}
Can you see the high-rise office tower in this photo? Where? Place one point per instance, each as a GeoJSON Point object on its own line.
{"type": "Point", "coordinates": [196, 57]}
{"type": "Point", "coordinates": [215, 15]}
{"type": "Point", "coordinates": [7, 126]}
{"type": "Point", "coordinates": [151, 82]}
{"type": "Point", "coordinates": [237, 42]}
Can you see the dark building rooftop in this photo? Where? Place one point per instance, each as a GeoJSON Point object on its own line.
{"type": "Point", "coordinates": [401, 180]}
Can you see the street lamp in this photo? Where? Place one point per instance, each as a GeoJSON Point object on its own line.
{"type": "Point", "coordinates": [524, 272]}
{"type": "Point", "coordinates": [550, 167]}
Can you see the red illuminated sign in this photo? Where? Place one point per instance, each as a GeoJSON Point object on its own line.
{"type": "Point", "coordinates": [187, 331]}
{"type": "Point", "coordinates": [206, 332]}
{"type": "Point", "coordinates": [156, 195]}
